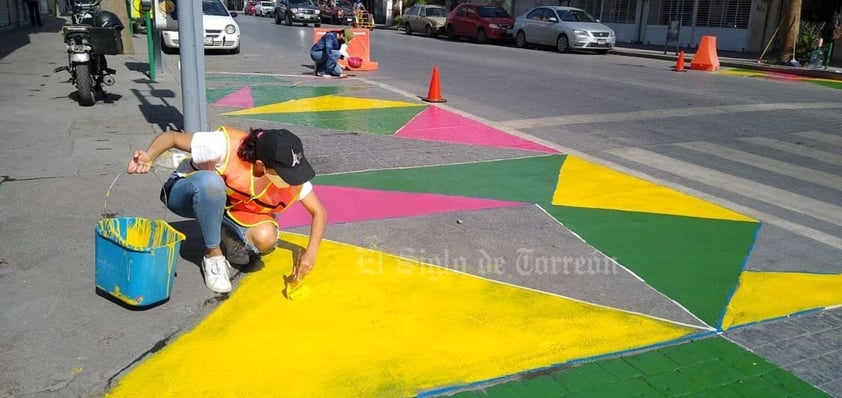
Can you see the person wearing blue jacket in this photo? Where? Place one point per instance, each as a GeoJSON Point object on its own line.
{"type": "Point", "coordinates": [325, 53]}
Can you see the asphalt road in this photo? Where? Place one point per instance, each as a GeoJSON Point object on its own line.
{"type": "Point", "coordinates": [768, 148]}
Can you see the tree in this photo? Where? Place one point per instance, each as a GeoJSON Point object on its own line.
{"type": "Point", "coordinates": [791, 23]}
{"type": "Point", "coordinates": [119, 7]}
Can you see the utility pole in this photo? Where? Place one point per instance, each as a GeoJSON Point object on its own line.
{"type": "Point", "coordinates": [791, 22]}
{"type": "Point", "coordinates": [119, 8]}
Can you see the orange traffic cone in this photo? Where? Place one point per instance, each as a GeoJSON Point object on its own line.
{"type": "Point", "coordinates": [679, 63]}
{"type": "Point", "coordinates": [434, 94]}
{"type": "Point", "coordinates": [706, 58]}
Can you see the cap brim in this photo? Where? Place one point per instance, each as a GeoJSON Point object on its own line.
{"type": "Point", "coordinates": [301, 173]}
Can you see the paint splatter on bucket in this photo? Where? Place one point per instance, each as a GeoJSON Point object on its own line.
{"type": "Point", "coordinates": [135, 259]}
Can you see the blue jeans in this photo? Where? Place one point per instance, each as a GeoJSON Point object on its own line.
{"type": "Point", "coordinates": [328, 65]}
{"type": "Point", "coordinates": [201, 195]}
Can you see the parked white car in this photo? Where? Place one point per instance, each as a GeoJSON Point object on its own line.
{"type": "Point", "coordinates": [565, 28]}
{"type": "Point", "coordinates": [221, 31]}
{"type": "Point", "coordinates": [265, 9]}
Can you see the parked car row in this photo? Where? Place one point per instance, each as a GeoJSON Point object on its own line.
{"type": "Point", "coordinates": [564, 28]}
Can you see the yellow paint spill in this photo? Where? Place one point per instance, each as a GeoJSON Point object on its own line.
{"type": "Point", "coordinates": [323, 104]}
{"type": "Point", "coordinates": [585, 184]}
{"type": "Point", "coordinates": [376, 325]}
{"type": "Point", "coordinates": [768, 295]}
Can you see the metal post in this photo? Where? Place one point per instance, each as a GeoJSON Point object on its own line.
{"type": "Point", "coordinates": [150, 49]}
{"type": "Point", "coordinates": [192, 50]}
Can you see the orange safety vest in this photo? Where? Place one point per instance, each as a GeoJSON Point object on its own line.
{"type": "Point", "coordinates": [251, 200]}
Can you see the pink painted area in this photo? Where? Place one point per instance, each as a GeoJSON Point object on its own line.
{"type": "Point", "coordinates": [436, 124]}
{"type": "Point", "coordinates": [345, 204]}
{"type": "Point", "coordinates": [238, 99]}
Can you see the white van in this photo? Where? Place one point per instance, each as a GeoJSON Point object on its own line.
{"type": "Point", "coordinates": [221, 32]}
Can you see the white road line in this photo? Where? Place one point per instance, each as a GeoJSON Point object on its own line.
{"type": "Point", "coordinates": [742, 186]}
{"type": "Point", "coordinates": [822, 137]}
{"type": "Point", "coordinates": [776, 166]}
{"type": "Point", "coordinates": [661, 114]}
{"type": "Point", "coordinates": [801, 150]}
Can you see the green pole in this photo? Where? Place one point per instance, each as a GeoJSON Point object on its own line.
{"type": "Point", "coordinates": [150, 48]}
{"type": "Point", "coordinates": [129, 13]}
{"type": "Point", "coordinates": [829, 53]}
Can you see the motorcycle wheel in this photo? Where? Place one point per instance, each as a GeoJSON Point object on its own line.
{"type": "Point", "coordinates": [84, 85]}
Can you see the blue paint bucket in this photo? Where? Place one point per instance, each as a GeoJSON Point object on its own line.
{"type": "Point", "coordinates": [135, 259]}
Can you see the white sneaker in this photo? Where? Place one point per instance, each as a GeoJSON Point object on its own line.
{"type": "Point", "coordinates": [216, 274]}
{"type": "Point", "coordinates": [235, 250]}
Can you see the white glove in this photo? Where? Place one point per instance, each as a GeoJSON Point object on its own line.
{"type": "Point", "coordinates": [343, 51]}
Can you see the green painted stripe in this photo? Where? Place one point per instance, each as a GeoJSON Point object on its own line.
{"type": "Point", "coordinates": [527, 180]}
{"type": "Point", "coordinates": [266, 95]}
{"type": "Point", "coordinates": [834, 84]}
{"type": "Point", "coordinates": [384, 121]}
{"type": "Point", "coordinates": [245, 78]}
{"type": "Point", "coordinates": [725, 370]}
{"type": "Point", "coordinates": [694, 261]}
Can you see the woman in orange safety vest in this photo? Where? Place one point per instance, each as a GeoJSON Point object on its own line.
{"type": "Point", "coordinates": [233, 184]}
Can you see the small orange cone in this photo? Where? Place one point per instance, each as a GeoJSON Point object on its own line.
{"type": "Point", "coordinates": [434, 94]}
{"type": "Point", "coordinates": [679, 63]}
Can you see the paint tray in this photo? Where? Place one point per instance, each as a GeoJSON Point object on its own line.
{"type": "Point", "coordinates": [135, 259]}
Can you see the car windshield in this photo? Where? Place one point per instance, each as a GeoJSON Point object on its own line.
{"type": "Point", "coordinates": [576, 16]}
{"type": "Point", "coordinates": [436, 12]}
{"type": "Point", "coordinates": [300, 3]}
{"type": "Point", "coordinates": [492, 12]}
{"type": "Point", "coordinates": [213, 7]}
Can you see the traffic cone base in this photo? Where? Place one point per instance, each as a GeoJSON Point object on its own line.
{"type": "Point", "coordinates": [679, 63]}
{"type": "Point", "coordinates": [434, 93]}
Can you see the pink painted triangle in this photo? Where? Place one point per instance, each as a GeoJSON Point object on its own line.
{"type": "Point", "coordinates": [436, 124]}
{"type": "Point", "coordinates": [238, 99]}
{"type": "Point", "coordinates": [347, 204]}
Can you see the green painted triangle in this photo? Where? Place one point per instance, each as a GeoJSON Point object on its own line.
{"type": "Point", "coordinates": [216, 94]}
{"type": "Point", "coordinates": [708, 367]}
{"type": "Point", "coordinates": [695, 261]}
{"type": "Point", "coordinates": [529, 180]}
{"type": "Point", "coordinates": [265, 95]}
{"type": "Point", "coordinates": [385, 121]}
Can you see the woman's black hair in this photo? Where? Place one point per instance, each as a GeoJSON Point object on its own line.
{"type": "Point", "coordinates": [248, 148]}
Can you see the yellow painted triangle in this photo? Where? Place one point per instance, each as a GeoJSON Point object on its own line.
{"type": "Point", "coordinates": [323, 104]}
{"type": "Point", "coordinates": [768, 295]}
{"type": "Point", "coordinates": [585, 184]}
{"type": "Point", "coordinates": [369, 324]}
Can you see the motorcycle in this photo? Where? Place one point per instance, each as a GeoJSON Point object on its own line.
{"type": "Point", "coordinates": [94, 34]}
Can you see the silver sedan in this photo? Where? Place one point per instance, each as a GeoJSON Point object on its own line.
{"type": "Point", "coordinates": [565, 28]}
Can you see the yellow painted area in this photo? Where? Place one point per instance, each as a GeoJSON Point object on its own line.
{"type": "Point", "coordinates": [322, 104]}
{"type": "Point", "coordinates": [369, 324]}
{"type": "Point", "coordinates": [585, 184]}
{"type": "Point", "coordinates": [768, 295]}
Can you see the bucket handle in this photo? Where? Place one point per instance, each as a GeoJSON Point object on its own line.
{"type": "Point", "coordinates": [106, 214]}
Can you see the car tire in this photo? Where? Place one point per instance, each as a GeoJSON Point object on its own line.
{"type": "Point", "coordinates": [234, 50]}
{"type": "Point", "coordinates": [520, 39]}
{"type": "Point", "coordinates": [602, 52]}
{"type": "Point", "coordinates": [451, 33]}
{"type": "Point", "coordinates": [430, 31]}
{"type": "Point", "coordinates": [407, 28]}
{"type": "Point", "coordinates": [316, 25]}
{"type": "Point", "coordinates": [562, 44]}
{"type": "Point", "coordinates": [482, 37]}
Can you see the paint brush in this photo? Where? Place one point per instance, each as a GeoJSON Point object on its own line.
{"type": "Point", "coordinates": [293, 285]}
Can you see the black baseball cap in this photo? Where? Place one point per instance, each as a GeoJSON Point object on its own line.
{"type": "Point", "coordinates": [282, 151]}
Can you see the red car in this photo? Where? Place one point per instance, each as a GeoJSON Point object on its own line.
{"type": "Point", "coordinates": [482, 22]}
{"type": "Point", "coordinates": [249, 8]}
